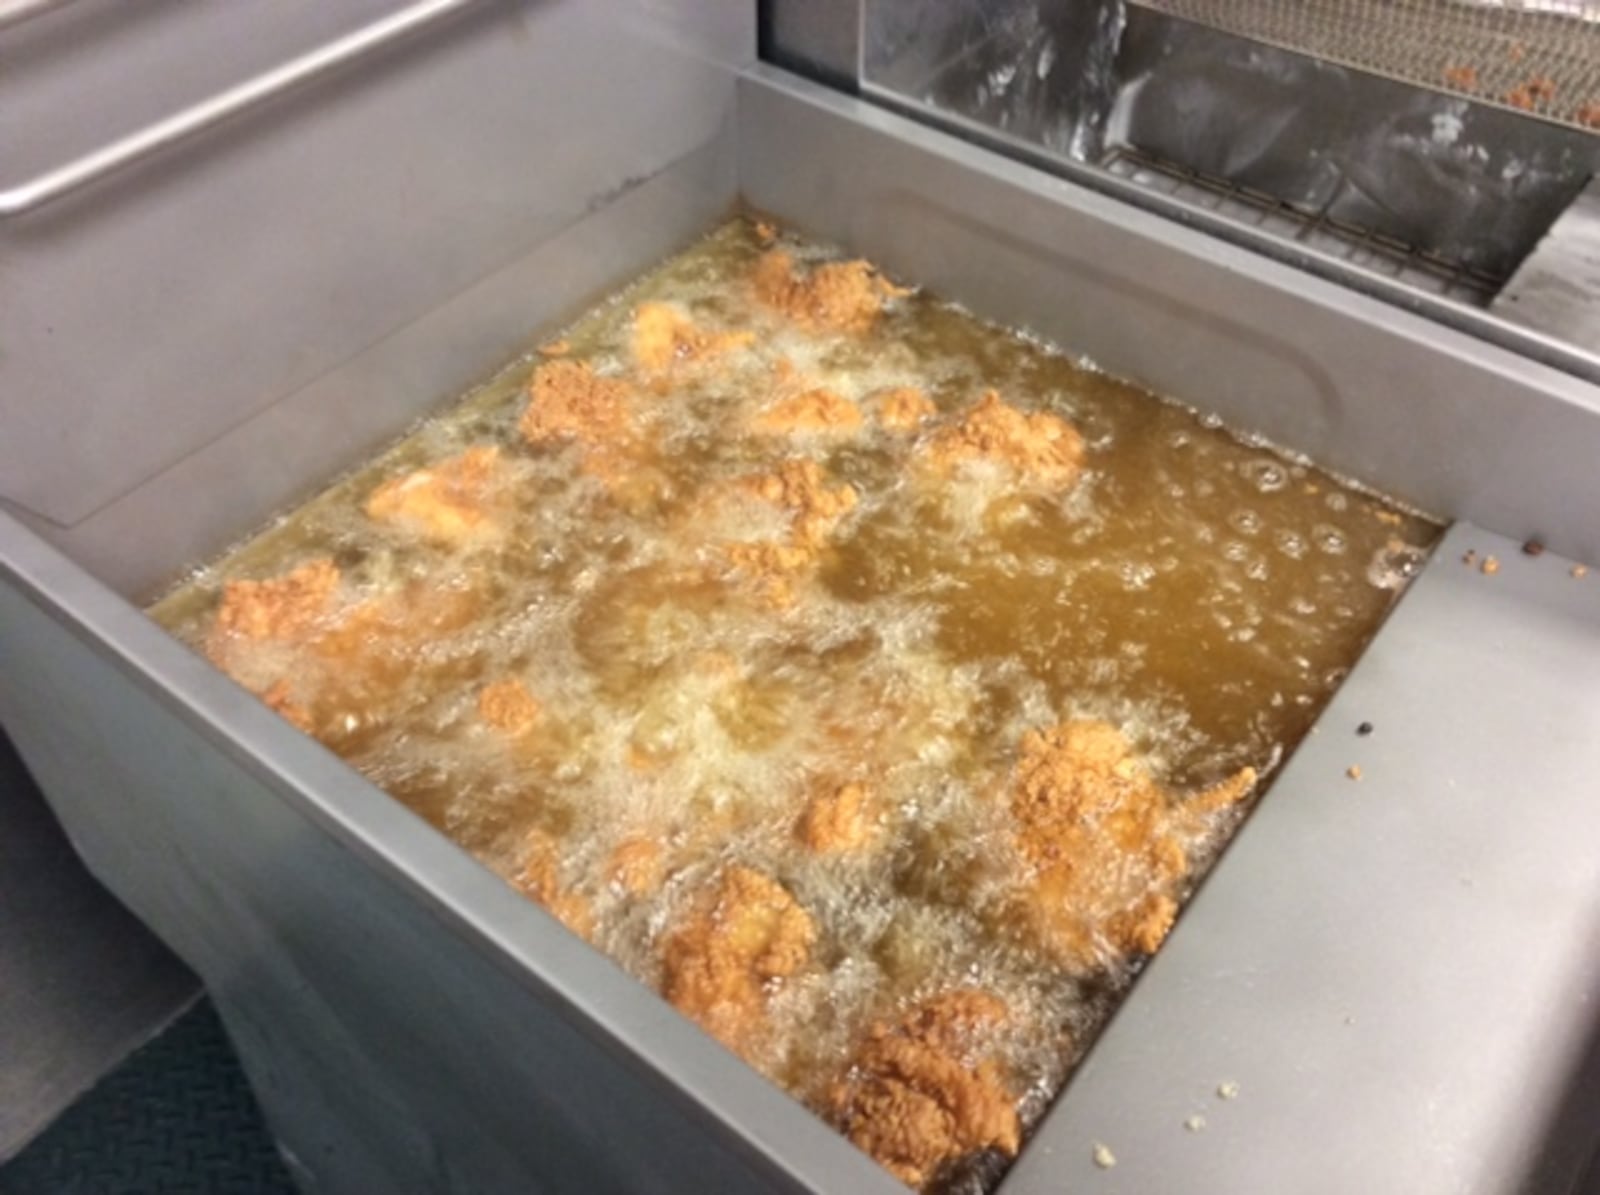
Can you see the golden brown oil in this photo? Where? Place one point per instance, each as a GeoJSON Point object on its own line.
{"type": "Point", "coordinates": [1202, 592]}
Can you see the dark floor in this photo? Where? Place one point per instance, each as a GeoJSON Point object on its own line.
{"type": "Point", "coordinates": [176, 1118]}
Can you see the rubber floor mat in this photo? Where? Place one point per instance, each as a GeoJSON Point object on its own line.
{"type": "Point", "coordinates": [176, 1117]}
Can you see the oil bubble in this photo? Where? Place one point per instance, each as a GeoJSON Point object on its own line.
{"type": "Point", "coordinates": [1329, 539]}
{"type": "Point", "coordinates": [1268, 476]}
{"type": "Point", "coordinates": [1393, 565]}
{"type": "Point", "coordinates": [1245, 522]}
{"type": "Point", "coordinates": [1290, 543]}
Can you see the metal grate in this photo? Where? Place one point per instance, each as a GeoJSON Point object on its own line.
{"type": "Point", "coordinates": [1539, 56]}
{"type": "Point", "coordinates": [1313, 232]}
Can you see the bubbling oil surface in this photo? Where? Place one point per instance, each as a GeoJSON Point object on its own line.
{"type": "Point", "coordinates": [1202, 592]}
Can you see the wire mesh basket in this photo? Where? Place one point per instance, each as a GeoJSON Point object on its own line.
{"type": "Point", "coordinates": [1539, 56]}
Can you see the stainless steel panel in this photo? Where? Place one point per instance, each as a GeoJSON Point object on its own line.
{"type": "Point", "coordinates": [288, 451]}
{"type": "Point", "coordinates": [408, 1021]}
{"type": "Point", "coordinates": [1396, 189]}
{"type": "Point", "coordinates": [1557, 289]}
{"type": "Point", "coordinates": [1472, 184]}
{"type": "Point", "coordinates": [1458, 426]}
{"type": "Point", "coordinates": [820, 38]}
{"type": "Point", "coordinates": [21, 198]}
{"type": "Point", "coordinates": [149, 315]}
{"type": "Point", "coordinates": [84, 983]}
{"type": "Point", "coordinates": [1400, 973]}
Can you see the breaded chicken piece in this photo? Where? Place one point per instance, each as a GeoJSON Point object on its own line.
{"type": "Point", "coordinates": [568, 401]}
{"type": "Point", "coordinates": [663, 336]}
{"type": "Point", "coordinates": [637, 866]}
{"type": "Point", "coordinates": [902, 408]}
{"type": "Point", "coordinates": [801, 488]}
{"type": "Point", "coordinates": [770, 570]}
{"type": "Point", "coordinates": [445, 502]}
{"type": "Point", "coordinates": [508, 707]}
{"type": "Point", "coordinates": [920, 1093]}
{"type": "Point", "coordinates": [1040, 448]}
{"type": "Point", "coordinates": [838, 296]}
{"type": "Point", "coordinates": [835, 820]}
{"type": "Point", "coordinates": [540, 880]}
{"type": "Point", "coordinates": [744, 935]}
{"type": "Point", "coordinates": [281, 608]}
{"type": "Point", "coordinates": [811, 412]}
{"type": "Point", "coordinates": [280, 700]}
{"type": "Point", "coordinates": [1107, 844]}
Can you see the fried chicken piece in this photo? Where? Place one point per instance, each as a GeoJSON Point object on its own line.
{"type": "Point", "coordinates": [811, 412]}
{"type": "Point", "coordinates": [637, 866]}
{"type": "Point", "coordinates": [282, 608]}
{"type": "Point", "coordinates": [743, 936]}
{"type": "Point", "coordinates": [903, 408]}
{"type": "Point", "coordinates": [663, 337]}
{"type": "Point", "coordinates": [540, 880]}
{"type": "Point", "coordinates": [280, 700]}
{"type": "Point", "coordinates": [445, 502]}
{"type": "Point", "coordinates": [835, 820]}
{"type": "Point", "coordinates": [801, 487]}
{"type": "Point", "coordinates": [1041, 448]}
{"type": "Point", "coordinates": [568, 401]}
{"type": "Point", "coordinates": [838, 296]}
{"type": "Point", "coordinates": [1107, 844]}
{"type": "Point", "coordinates": [771, 569]}
{"type": "Point", "coordinates": [508, 707]}
{"type": "Point", "coordinates": [920, 1094]}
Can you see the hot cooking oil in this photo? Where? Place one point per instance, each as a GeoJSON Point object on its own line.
{"type": "Point", "coordinates": [739, 681]}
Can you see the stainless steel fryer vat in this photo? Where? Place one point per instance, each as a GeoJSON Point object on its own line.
{"type": "Point", "coordinates": [1400, 976]}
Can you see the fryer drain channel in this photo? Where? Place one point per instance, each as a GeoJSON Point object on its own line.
{"type": "Point", "coordinates": [1538, 56]}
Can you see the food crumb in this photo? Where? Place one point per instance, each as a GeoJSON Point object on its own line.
{"type": "Point", "coordinates": [1589, 115]}
{"type": "Point", "coordinates": [1364, 729]}
{"type": "Point", "coordinates": [1228, 1090]}
{"type": "Point", "coordinates": [1353, 771]}
{"type": "Point", "coordinates": [1533, 548]}
{"type": "Point", "coordinates": [1464, 77]}
{"type": "Point", "coordinates": [556, 348]}
{"type": "Point", "coordinates": [1195, 1124]}
{"type": "Point", "coordinates": [1470, 557]}
{"type": "Point", "coordinates": [1103, 1157]}
{"type": "Point", "coordinates": [1490, 566]}
{"type": "Point", "coordinates": [1579, 571]}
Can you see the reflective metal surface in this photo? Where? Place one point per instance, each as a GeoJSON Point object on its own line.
{"type": "Point", "coordinates": [1557, 289]}
{"type": "Point", "coordinates": [84, 983]}
{"type": "Point", "coordinates": [63, 180]}
{"type": "Point", "coordinates": [1427, 199]}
